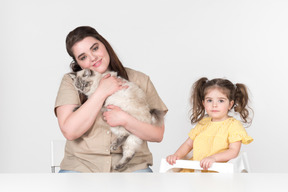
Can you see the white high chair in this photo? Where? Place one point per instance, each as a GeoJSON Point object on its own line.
{"type": "Point", "coordinates": [236, 165]}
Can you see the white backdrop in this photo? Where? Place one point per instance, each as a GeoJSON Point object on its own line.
{"type": "Point", "coordinates": [174, 42]}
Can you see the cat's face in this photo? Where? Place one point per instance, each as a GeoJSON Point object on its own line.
{"type": "Point", "coordinates": [84, 81]}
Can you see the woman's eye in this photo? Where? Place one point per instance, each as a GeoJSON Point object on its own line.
{"type": "Point", "coordinates": [95, 48]}
{"type": "Point", "coordinates": [82, 58]}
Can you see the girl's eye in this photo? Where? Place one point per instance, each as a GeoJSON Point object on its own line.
{"type": "Point", "coordinates": [221, 101]}
{"type": "Point", "coordinates": [209, 100]}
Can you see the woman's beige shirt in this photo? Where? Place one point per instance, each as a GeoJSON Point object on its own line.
{"type": "Point", "coordinates": [91, 152]}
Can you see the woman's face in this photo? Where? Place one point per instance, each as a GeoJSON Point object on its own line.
{"type": "Point", "coordinates": [91, 53]}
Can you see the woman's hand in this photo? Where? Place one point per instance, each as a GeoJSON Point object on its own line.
{"type": "Point", "coordinates": [110, 84]}
{"type": "Point", "coordinates": [171, 159]}
{"type": "Point", "coordinates": [207, 162]}
{"type": "Point", "coordinates": [115, 116]}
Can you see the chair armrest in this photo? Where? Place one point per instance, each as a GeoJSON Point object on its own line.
{"type": "Point", "coordinates": [189, 164]}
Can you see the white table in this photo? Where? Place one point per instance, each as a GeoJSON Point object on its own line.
{"type": "Point", "coordinates": [140, 182]}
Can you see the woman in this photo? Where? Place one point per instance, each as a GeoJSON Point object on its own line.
{"type": "Point", "coordinates": [88, 138]}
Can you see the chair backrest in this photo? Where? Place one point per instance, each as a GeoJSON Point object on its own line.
{"type": "Point", "coordinates": [57, 153]}
{"type": "Point", "coordinates": [236, 165]}
{"type": "Point", "coordinates": [240, 163]}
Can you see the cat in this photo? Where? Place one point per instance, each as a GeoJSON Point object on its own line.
{"type": "Point", "coordinates": [132, 100]}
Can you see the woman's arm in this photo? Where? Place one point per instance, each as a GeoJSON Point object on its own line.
{"type": "Point", "coordinates": [74, 124]}
{"type": "Point", "coordinates": [145, 131]}
{"type": "Point", "coordinates": [183, 150]}
{"type": "Point", "coordinates": [227, 155]}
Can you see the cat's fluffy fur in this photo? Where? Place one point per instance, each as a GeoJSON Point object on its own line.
{"type": "Point", "coordinates": [132, 100]}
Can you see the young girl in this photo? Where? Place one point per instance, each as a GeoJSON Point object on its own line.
{"type": "Point", "coordinates": [217, 137]}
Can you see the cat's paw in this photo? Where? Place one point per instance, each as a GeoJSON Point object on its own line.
{"type": "Point", "coordinates": [113, 147]}
{"type": "Point", "coordinates": [118, 166]}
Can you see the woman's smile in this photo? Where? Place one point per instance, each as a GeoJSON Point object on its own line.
{"type": "Point", "coordinates": [97, 64]}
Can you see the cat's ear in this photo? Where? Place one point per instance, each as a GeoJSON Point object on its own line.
{"type": "Point", "coordinates": [88, 73]}
{"type": "Point", "coordinates": [72, 75]}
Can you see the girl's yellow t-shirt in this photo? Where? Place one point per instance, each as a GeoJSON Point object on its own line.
{"type": "Point", "coordinates": [214, 137]}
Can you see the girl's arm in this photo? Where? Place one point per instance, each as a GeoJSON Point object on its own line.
{"type": "Point", "coordinates": [74, 124]}
{"type": "Point", "coordinates": [227, 155]}
{"type": "Point", "coordinates": [183, 150]}
{"type": "Point", "coordinates": [145, 131]}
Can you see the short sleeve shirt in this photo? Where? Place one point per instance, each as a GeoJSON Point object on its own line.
{"type": "Point", "coordinates": [214, 137]}
{"type": "Point", "coordinates": [91, 152]}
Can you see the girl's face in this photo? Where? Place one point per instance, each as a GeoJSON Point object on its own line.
{"type": "Point", "coordinates": [217, 105]}
{"type": "Point", "coordinates": [90, 53]}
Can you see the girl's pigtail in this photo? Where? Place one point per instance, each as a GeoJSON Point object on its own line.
{"type": "Point", "coordinates": [197, 96]}
{"type": "Point", "coordinates": [241, 102]}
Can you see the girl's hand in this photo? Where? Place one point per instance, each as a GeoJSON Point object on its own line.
{"type": "Point", "coordinates": [171, 159]}
{"type": "Point", "coordinates": [207, 162]}
{"type": "Point", "coordinates": [110, 84]}
{"type": "Point", "coordinates": [227, 155]}
{"type": "Point", "coordinates": [115, 116]}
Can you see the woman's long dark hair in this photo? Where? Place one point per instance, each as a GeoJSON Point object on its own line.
{"type": "Point", "coordinates": [82, 32]}
{"type": "Point", "coordinates": [79, 34]}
